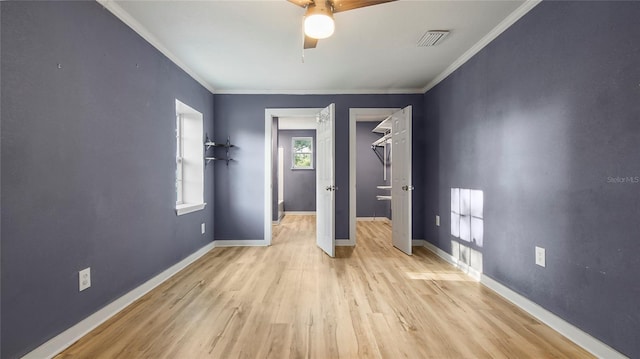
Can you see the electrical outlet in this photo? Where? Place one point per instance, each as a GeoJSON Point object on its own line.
{"type": "Point", "coordinates": [540, 257]}
{"type": "Point", "coordinates": [437, 220]}
{"type": "Point", "coordinates": [84, 279]}
{"type": "Point", "coordinates": [202, 228]}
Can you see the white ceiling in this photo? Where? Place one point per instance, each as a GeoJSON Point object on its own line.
{"type": "Point", "coordinates": [256, 46]}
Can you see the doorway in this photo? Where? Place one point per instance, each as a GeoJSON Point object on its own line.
{"type": "Point", "coordinates": [294, 142]}
{"type": "Point", "coordinates": [301, 157]}
{"type": "Point", "coordinates": [393, 125]}
{"type": "Point", "coordinates": [271, 115]}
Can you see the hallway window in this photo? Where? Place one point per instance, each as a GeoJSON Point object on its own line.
{"type": "Point", "coordinates": [302, 149]}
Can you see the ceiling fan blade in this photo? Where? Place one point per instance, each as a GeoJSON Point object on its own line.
{"type": "Point", "coordinates": [345, 5]}
{"type": "Point", "coordinates": [301, 3]}
{"type": "Point", "coordinates": [310, 42]}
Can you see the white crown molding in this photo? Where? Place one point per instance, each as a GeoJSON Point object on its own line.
{"type": "Point", "coordinates": [126, 18]}
{"type": "Point", "coordinates": [322, 92]}
{"type": "Point", "coordinates": [522, 10]}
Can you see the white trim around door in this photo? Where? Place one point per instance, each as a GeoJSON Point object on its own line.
{"type": "Point", "coordinates": [269, 114]}
{"type": "Point", "coordinates": [359, 115]}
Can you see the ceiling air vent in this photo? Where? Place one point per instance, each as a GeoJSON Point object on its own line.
{"type": "Point", "coordinates": [432, 37]}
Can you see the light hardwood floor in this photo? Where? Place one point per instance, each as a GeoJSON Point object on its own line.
{"type": "Point", "coordinates": [291, 300]}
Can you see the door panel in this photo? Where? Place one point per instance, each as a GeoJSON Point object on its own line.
{"type": "Point", "coordinates": [325, 183]}
{"type": "Point", "coordinates": [401, 189]}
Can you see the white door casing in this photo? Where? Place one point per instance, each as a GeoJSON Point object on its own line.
{"type": "Point", "coordinates": [269, 114]}
{"type": "Point", "coordinates": [401, 179]}
{"type": "Point", "coordinates": [325, 178]}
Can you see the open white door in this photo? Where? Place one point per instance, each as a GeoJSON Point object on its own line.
{"type": "Point", "coordinates": [401, 179]}
{"type": "Point", "coordinates": [325, 186]}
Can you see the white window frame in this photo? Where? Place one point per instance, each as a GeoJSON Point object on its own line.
{"type": "Point", "coordinates": [189, 185]}
{"type": "Point", "coordinates": [179, 158]}
{"type": "Point", "coordinates": [293, 153]}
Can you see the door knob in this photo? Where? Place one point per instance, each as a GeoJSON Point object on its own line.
{"type": "Point", "coordinates": [407, 188]}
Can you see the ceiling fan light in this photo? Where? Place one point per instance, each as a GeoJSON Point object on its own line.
{"type": "Point", "coordinates": [318, 22]}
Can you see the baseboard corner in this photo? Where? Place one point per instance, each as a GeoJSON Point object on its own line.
{"type": "Point", "coordinates": [345, 242]}
{"type": "Point", "coordinates": [65, 339]}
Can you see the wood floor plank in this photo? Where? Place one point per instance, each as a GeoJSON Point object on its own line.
{"type": "Point", "coordinates": [290, 300]}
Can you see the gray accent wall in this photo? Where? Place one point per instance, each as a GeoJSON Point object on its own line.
{"type": "Point", "coordinates": [299, 184]}
{"type": "Point", "coordinates": [546, 121]}
{"type": "Point", "coordinates": [239, 188]}
{"type": "Point", "coordinates": [370, 174]}
{"type": "Point", "coordinates": [87, 167]}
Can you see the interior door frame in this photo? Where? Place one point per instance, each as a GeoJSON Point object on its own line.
{"type": "Point", "coordinates": [401, 179]}
{"type": "Point", "coordinates": [269, 114]}
{"type": "Point", "coordinates": [326, 181]}
{"type": "Point", "coordinates": [359, 115]}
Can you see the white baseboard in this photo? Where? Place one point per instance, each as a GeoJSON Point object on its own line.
{"type": "Point", "coordinates": [221, 243]}
{"type": "Point", "coordinates": [573, 333]}
{"type": "Point", "coordinates": [371, 219]}
{"type": "Point", "coordinates": [472, 272]}
{"type": "Point", "coordinates": [63, 340]}
{"type": "Point", "coordinates": [300, 213]}
{"type": "Point", "coordinates": [418, 243]}
{"type": "Point", "coordinates": [345, 243]}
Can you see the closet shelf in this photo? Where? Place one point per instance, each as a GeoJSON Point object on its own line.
{"type": "Point", "coordinates": [379, 142]}
{"type": "Point", "coordinates": [384, 126]}
{"type": "Point", "coordinates": [383, 198]}
{"type": "Point", "coordinates": [385, 141]}
{"type": "Point", "coordinates": [384, 187]}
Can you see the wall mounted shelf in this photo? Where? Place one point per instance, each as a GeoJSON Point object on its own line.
{"type": "Point", "coordinates": [212, 144]}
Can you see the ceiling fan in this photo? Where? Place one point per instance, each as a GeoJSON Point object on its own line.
{"type": "Point", "coordinates": [318, 19]}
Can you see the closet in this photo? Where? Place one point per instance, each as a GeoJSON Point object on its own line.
{"type": "Point", "coordinates": [373, 188]}
{"type": "Point", "coordinates": [382, 148]}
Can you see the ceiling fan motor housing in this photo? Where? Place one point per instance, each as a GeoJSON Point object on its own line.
{"type": "Point", "coordinates": [318, 22]}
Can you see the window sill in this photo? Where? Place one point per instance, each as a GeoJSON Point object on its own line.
{"type": "Point", "coordinates": [188, 208]}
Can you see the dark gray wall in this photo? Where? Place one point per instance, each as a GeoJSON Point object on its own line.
{"type": "Point", "coordinates": [369, 174]}
{"type": "Point", "coordinates": [239, 190]}
{"type": "Point", "coordinates": [88, 165]}
{"type": "Point", "coordinates": [299, 185]}
{"type": "Point", "coordinates": [545, 120]}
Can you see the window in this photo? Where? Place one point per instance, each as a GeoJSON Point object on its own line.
{"type": "Point", "coordinates": [189, 160]}
{"type": "Point", "coordinates": [302, 150]}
